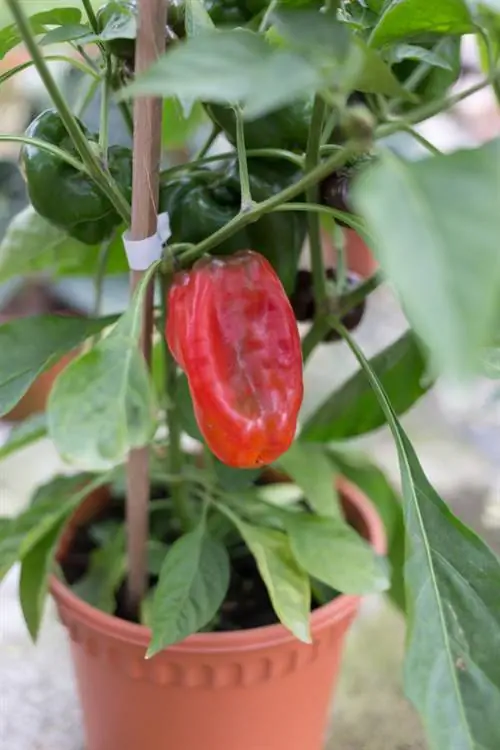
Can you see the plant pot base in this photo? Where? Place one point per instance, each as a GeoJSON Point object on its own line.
{"type": "Point", "coordinates": [257, 689]}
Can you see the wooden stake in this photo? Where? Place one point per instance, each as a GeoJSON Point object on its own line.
{"type": "Point", "coordinates": [150, 44]}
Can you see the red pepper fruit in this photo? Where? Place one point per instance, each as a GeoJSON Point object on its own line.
{"type": "Point", "coordinates": [232, 330]}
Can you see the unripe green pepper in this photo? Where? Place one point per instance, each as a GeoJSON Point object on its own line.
{"type": "Point", "coordinates": [285, 128]}
{"type": "Point", "coordinates": [201, 202]}
{"type": "Point", "coordinates": [64, 196]}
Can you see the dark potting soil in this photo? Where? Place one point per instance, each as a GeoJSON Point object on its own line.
{"type": "Point", "coordinates": [247, 603]}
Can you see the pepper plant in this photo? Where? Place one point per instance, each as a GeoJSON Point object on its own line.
{"type": "Point", "coordinates": [308, 96]}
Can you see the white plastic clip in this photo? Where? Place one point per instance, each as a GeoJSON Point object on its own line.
{"type": "Point", "coordinates": [142, 253]}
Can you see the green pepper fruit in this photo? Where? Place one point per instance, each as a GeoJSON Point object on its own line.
{"type": "Point", "coordinates": [64, 196]}
{"type": "Point", "coordinates": [234, 12]}
{"type": "Point", "coordinates": [285, 128]}
{"type": "Point", "coordinates": [201, 202]}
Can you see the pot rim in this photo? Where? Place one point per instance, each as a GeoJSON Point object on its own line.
{"type": "Point", "coordinates": [252, 638]}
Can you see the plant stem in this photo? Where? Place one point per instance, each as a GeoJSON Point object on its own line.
{"type": "Point", "coordinates": [433, 108]}
{"type": "Point", "coordinates": [264, 207]}
{"type": "Point", "coordinates": [341, 261]}
{"type": "Point", "coordinates": [100, 276]}
{"type": "Point", "coordinates": [51, 58]}
{"type": "Point", "coordinates": [271, 153]}
{"type": "Point", "coordinates": [422, 140]}
{"type": "Point", "coordinates": [349, 300]}
{"type": "Point", "coordinates": [214, 132]}
{"type": "Point", "coordinates": [94, 168]}
{"type": "Point", "coordinates": [353, 222]}
{"type": "Point", "coordinates": [46, 146]}
{"type": "Point", "coordinates": [89, 10]}
{"type": "Point", "coordinates": [85, 97]}
{"type": "Point", "coordinates": [104, 115]}
{"type": "Point", "coordinates": [315, 248]}
{"type": "Point", "coordinates": [246, 196]}
{"type": "Point", "coordinates": [175, 458]}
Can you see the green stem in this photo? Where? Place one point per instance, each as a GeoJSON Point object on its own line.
{"type": "Point", "coordinates": [175, 458]}
{"type": "Point", "coordinates": [349, 300]}
{"type": "Point", "coordinates": [265, 18]}
{"type": "Point", "coordinates": [51, 58]}
{"type": "Point", "coordinates": [352, 221]}
{"type": "Point", "coordinates": [341, 269]}
{"type": "Point", "coordinates": [94, 168]}
{"type": "Point", "coordinates": [264, 207]}
{"type": "Point", "coordinates": [100, 276]}
{"type": "Point", "coordinates": [433, 108]}
{"type": "Point", "coordinates": [89, 10]}
{"type": "Point", "coordinates": [46, 146]}
{"type": "Point", "coordinates": [422, 140]}
{"type": "Point", "coordinates": [104, 116]}
{"type": "Point", "coordinates": [208, 143]}
{"type": "Point", "coordinates": [85, 97]}
{"type": "Point", "coordinates": [267, 153]}
{"type": "Point", "coordinates": [246, 196]}
{"type": "Point", "coordinates": [314, 228]}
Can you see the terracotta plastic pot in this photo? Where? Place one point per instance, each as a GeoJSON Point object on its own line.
{"type": "Point", "coordinates": [257, 689]}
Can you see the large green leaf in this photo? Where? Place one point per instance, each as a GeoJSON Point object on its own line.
{"type": "Point", "coordinates": [179, 125]}
{"type": "Point", "coordinates": [353, 409]}
{"type": "Point", "coordinates": [34, 580]}
{"type": "Point", "coordinates": [374, 76]}
{"type": "Point", "coordinates": [30, 346]}
{"type": "Point", "coordinates": [236, 66]}
{"type": "Point", "coordinates": [440, 247]}
{"type": "Point", "coordinates": [193, 583]}
{"type": "Point", "coordinates": [372, 481]}
{"type": "Point", "coordinates": [23, 434]}
{"type": "Point", "coordinates": [452, 584]}
{"type": "Point", "coordinates": [32, 244]}
{"type": "Point", "coordinates": [287, 584]}
{"type": "Point", "coordinates": [310, 468]}
{"type": "Point", "coordinates": [53, 503]}
{"type": "Point", "coordinates": [412, 18]}
{"type": "Point", "coordinates": [103, 405]}
{"type": "Point", "coordinates": [331, 551]}
{"type": "Point", "coordinates": [39, 22]}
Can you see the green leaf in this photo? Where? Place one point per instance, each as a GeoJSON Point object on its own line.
{"type": "Point", "coordinates": [156, 552]}
{"type": "Point", "coordinates": [287, 584]}
{"type": "Point", "coordinates": [399, 52]}
{"type": "Point", "coordinates": [31, 244]}
{"type": "Point", "coordinates": [23, 434]}
{"type": "Point", "coordinates": [34, 345]}
{"type": "Point", "coordinates": [102, 405]}
{"type": "Point", "coordinates": [312, 33]}
{"type": "Point", "coordinates": [52, 503]}
{"type": "Point", "coordinates": [106, 572]}
{"type": "Point", "coordinates": [411, 18]}
{"type": "Point", "coordinates": [39, 22]}
{"type": "Point", "coordinates": [440, 249]}
{"type": "Point", "coordinates": [354, 410]}
{"type": "Point", "coordinates": [193, 583]}
{"type": "Point", "coordinates": [196, 18]}
{"type": "Point", "coordinates": [65, 34]}
{"type": "Point", "coordinates": [33, 583]}
{"type": "Point", "coordinates": [311, 469]}
{"type": "Point", "coordinates": [331, 551]}
{"type": "Point", "coordinates": [232, 67]}
{"type": "Point", "coordinates": [372, 481]}
{"type": "Point", "coordinates": [452, 583]}
{"type": "Point", "coordinates": [234, 480]}
{"type": "Point", "coordinates": [177, 125]}
{"type": "Point", "coordinates": [374, 76]}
